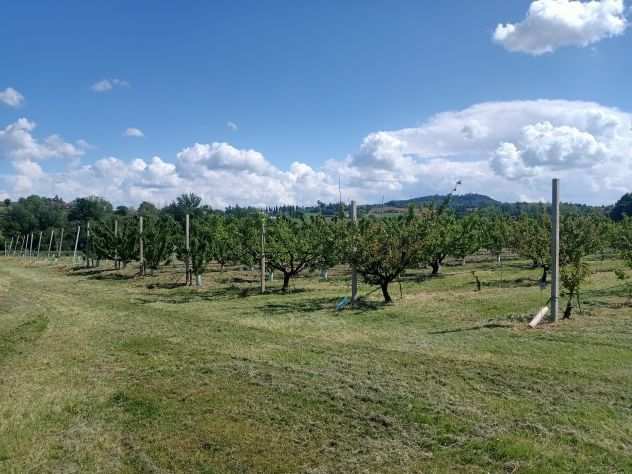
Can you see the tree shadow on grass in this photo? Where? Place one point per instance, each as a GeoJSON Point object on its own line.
{"type": "Point", "coordinates": [165, 286]}
{"type": "Point", "coordinates": [246, 280]}
{"type": "Point", "coordinates": [613, 291]}
{"type": "Point", "coordinates": [602, 297]}
{"type": "Point", "coordinates": [303, 306]}
{"type": "Point", "coordinates": [520, 282]}
{"type": "Point", "coordinates": [111, 277]}
{"type": "Point", "coordinates": [192, 294]}
{"type": "Point", "coordinates": [473, 328]}
{"type": "Point", "coordinates": [83, 271]}
{"type": "Point", "coordinates": [365, 306]}
{"type": "Point", "coordinates": [320, 304]}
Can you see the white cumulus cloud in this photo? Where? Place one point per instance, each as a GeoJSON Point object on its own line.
{"type": "Point", "coordinates": [106, 85]}
{"type": "Point", "coordinates": [508, 150]}
{"type": "Point", "coordinates": [11, 97]}
{"type": "Point", "coordinates": [200, 158]}
{"type": "Point", "coordinates": [134, 132]}
{"type": "Point", "coordinates": [18, 143]}
{"type": "Point", "coordinates": [552, 24]}
{"type": "Point", "coordinates": [505, 149]}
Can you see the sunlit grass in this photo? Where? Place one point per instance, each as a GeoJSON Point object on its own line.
{"type": "Point", "coordinates": [108, 372]}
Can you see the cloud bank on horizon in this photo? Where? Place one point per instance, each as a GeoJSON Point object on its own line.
{"type": "Point", "coordinates": [509, 150]}
{"type": "Point", "coordinates": [553, 24]}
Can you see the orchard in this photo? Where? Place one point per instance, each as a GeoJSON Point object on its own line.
{"type": "Point", "coordinates": [380, 249]}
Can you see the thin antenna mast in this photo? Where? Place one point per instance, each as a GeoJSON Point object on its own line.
{"type": "Point", "coordinates": [339, 193]}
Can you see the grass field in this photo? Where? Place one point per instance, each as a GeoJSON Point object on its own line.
{"type": "Point", "coordinates": [103, 372]}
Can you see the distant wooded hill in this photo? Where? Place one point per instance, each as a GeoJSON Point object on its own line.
{"type": "Point", "coordinates": [460, 204]}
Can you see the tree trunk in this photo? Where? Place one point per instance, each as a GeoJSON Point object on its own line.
{"type": "Point", "coordinates": [286, 281]}
{"type": "Point", "coordinates": [569, 307]}
{"type": "Point", "coordinates": [436, 267]}
{"type": "Point", "coordinates": [198, 280]}
{"type": "Point", "coordinates": [545, 272]}
{"type": "Point", "coordinates": [568, 311]}
{"type": "Point", "coordinates": [387, 297]}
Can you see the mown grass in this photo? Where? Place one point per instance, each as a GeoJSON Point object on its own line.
{"type": "Point", "coordinates": [108, 372]}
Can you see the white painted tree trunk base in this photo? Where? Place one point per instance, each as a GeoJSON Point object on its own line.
{"type": "Point", "coordinates": [539, 317]}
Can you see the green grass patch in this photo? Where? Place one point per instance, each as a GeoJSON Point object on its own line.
{"type": "Point", "coordinates": [103, 371]}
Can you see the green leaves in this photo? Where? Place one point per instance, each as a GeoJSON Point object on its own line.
{"type": "Point", "coordinates": [580, 236]}
{"type": "Point", "coordinates": [622, 239]}
{"type": "Point", "coordinates": [495, 233]}
{"type": "Point", "coordinates": [159, 238]}
{"type": "Point", "coordinates": [121, 245]}
{"type": "Point", "coordinates": [292, 245]}
{"type": "Point", "coordinates": [531, 238]}
{"type": "Point", "coordinates": [381, 249]}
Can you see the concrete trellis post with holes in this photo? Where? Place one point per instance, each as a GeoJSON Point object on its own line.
{"type": "Point", "coordinates": [353, 215]}
{"type": "Point", "coordinates": [187, 258]}
{"type": "Point", "coordinates": [555, 249]}
{"type": "Point", "coordinates": [140, 246]}
{"type": "Point", "coordinates": [263, 256]}
{"type": "Point", "coordinates": [116, 259]}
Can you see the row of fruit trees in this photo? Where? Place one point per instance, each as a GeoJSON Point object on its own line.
{"type": "Point", "coordinates": [380, 249]}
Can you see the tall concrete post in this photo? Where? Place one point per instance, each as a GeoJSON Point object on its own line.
{"type": "Point", "coordinates": [61, 242]}
{"type": "Point", "coordinates": [50, 243]}
{"type": "Point", "coordinates": [116, 264]}
{"type": "Point", "coordinates": [39, 244]}
{"type": "Point", "coordinates": [26, 247]}
{"type": "Point", "coordinates": [74, 255]}
{"type": "Point", "coordinates": [140, 245]}
{"type": "Point", "coordinates": [263, 256]}
{"type": "Point", "coordinates": [555, 250]}
{"type": "Point", "coordinates": [88, 262]}
{"type": "Point", "coordinates": [17, 246]}
{"type": "Point", "coordinates": [187, 263]}
{"type": "Point", "coordinates": [353, 215]}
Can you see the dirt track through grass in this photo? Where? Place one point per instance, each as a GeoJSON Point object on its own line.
{"type": "Point", "coordinates": [99, 373]}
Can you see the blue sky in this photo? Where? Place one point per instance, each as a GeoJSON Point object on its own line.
{"type": "Point", "coordinates": [308, 82]}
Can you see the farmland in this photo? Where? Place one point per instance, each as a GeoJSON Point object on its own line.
{"type": "Point", "coordinates": [107, 371]}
